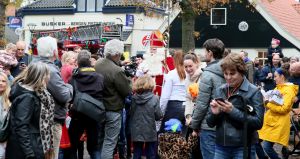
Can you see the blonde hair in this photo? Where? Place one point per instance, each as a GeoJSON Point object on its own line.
{"type": "Point", "coordinates": [67, 56]}
{"type": "Point", "coordinates": [6, 103]}
{"type": "Point", "coordinates": [10, 47]}
{"type": "Point", "coordinates": [34, 76]}
{"type": "Point", "coordinates": [143, 84]}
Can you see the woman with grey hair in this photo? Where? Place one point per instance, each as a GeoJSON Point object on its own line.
{"type": "Point", "coordinates": [31, 113]}
{"type": "Point", "coordinates": [86, 80]}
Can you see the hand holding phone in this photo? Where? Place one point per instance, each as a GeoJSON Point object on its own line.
{"type": "Point", "coordinates": [220, 99]}
{"type": "Point", "coordinates": [22, 65]}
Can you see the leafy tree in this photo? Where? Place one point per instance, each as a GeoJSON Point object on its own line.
{"type": "Point", "coordinates": [3, 4]}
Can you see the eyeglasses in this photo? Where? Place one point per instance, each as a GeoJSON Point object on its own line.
{"type": "Point", "coordinates": [20, 49]}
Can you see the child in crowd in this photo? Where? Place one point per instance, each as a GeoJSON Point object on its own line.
{"type": "Point", "coordinates": [171, 143]}
{"type": "Point", "coordinates": [8, 60]}
{"type": "Point", "coordinates": [274, 49]}
{"type": "Point", "coordinates": [68, 64]}
{"type": "Point", "coordinates": [145, 111]}
{"type": "Point", "coordinates": [11, 48]}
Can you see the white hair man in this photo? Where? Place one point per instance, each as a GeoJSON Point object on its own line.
{"type": "Point", "coordinates": [116, 88]}
{"type": "Point", "coordinates": [61, 92]}
{"type": "Point", "coordinates": [22, 57]}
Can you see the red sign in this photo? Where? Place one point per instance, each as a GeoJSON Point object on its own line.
{"type": "Point", "coordinates": [153, 40]}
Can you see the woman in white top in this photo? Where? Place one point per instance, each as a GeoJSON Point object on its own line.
{"type": "Point", "coordinates": [173, 92]}
{"type": "Point", "coordinates": [4, 105]}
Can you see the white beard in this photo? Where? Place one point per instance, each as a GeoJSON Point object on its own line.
{"type": "Point", "coordinates": [154, 63]}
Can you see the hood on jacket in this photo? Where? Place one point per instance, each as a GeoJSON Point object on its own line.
{"type": "Point", "coordinates": [141, 99]}
{"type": "Point", "coordinates": [17, 90]}
{"type": "Point", "coordinates": [215, 67]}
{"type": "Point", "coordinates": [85, 75]}
{"type": "Point", "coordinates": [292, 88]}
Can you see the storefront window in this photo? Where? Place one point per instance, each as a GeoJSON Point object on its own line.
{"type": "Point", "coordinates": [81, 5]}
{"type": "Point", "coordinates": [99, 5]}
{"type": "Point", "coordinates": [91, 5]}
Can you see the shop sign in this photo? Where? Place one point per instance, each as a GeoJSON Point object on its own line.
{"type": "Point", "coordinates": [15, 22]}
{"type": "Point", "coordinates": [129, 20]}
{"type": "Point", "coordinates": [63, 23]}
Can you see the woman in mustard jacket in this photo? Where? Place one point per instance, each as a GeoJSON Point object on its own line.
{"type": "Point", "coordinates": [276, 127]}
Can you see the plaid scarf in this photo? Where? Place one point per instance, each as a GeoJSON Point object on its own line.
{"type": "Point", "coordinates": [46, 122]}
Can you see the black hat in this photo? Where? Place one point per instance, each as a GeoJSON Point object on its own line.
{"type": "Point", "coordinates": [139, 56]}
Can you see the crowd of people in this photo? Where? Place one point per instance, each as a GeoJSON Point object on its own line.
{"type": "Point", "coordinates": [226, 109]}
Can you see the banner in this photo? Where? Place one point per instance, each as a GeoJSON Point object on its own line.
{"type": "Point", "coordinates": [15, 22]}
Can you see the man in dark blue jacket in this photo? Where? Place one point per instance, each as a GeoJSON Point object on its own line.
{"type": "Point", "coordinates": [267, 73]}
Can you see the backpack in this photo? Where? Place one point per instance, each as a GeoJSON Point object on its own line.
{"type": "Point", "coordinates": [87, 105]}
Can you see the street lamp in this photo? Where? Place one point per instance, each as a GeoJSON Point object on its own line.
{"type": "Point", "coordinates": [120, 27]}
{"type": "Point", "coordinates": [31, 27]}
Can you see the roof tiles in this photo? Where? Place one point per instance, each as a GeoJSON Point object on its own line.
{"type": "Point", "coordinates": [286, 13]}
{"type": "Point", "coordinates": [52, 4]}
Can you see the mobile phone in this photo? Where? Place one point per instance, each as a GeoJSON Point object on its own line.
{"type": "Point", "coordinates": [22, 63]}
{"type": "Point", "coordinates": [220, 99]}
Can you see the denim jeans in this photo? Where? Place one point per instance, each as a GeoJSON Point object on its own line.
{"type": "Point", "coordinates": [232, 152]}
{"type": "Point", "coordinates": [112, 127]}
{"type": "Point", "coordinates": [122, 137]}
{"type": "Point", "coordinates": [268, 147]}
{"type": "Point", "coordinates": [260, 151]}
{"type": "Point", "coordinates": [207, 143]}
{"type": "Point", "coordinates": [150, 150]}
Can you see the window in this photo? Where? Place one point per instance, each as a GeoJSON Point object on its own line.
{"type": "Point", "coordinates": [262, 56]}
{"type": "Point", "coordinates": [218, 16]}
{"type": "Point", "coordinates": [100, 4]}
{"type": "Point", "coordinates": [81, 5]}
{"type": "Point", "coordinates": [89, 5]}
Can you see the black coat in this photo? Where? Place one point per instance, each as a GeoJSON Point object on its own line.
{"type": "Point", "coordinates": [229, 126]}
{"type": "Point", "coordinates": [25, 139]}
{"type": "Point", "coordinates": [144, 112]}
{"type": "Point", "coordinates": [274, 50]}
{"type": "Point", "coordinates": [87, 81]}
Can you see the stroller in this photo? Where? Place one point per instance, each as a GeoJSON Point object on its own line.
{"type": "Point", "coordinates": [295, 128]}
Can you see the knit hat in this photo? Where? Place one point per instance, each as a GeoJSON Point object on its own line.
{"type": "Point", "coordinates": [173, 125]}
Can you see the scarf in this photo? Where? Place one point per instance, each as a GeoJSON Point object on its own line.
{"type": "Point", "coordinates": [46, 122]}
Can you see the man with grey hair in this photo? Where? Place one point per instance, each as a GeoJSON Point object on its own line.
{"type": "Point", "coordinates": [294, 59]}
{"type": "Point", "coordinates": [61, 92]}
{"type": "Point", "coordinates": [116, 88]}
{"type": "Point", "coordinates": [249, 65]}
{"type": "Point", "coordinates": [22, 57]}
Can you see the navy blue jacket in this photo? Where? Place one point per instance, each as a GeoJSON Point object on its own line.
{"type": "Point", "coordinates": [269, 83]}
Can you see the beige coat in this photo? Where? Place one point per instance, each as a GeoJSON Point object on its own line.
{"type": "Point", "coordinates": [190, 102]}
